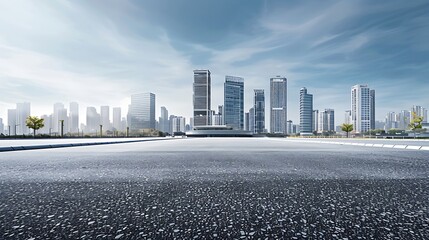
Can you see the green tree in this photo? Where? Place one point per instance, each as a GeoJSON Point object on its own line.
{"type": "Point", "coordinates": [416, 123]}
{"type": "Point", "coordinates": [34, 123]}
{"type": "Point", "coordinates": [347, 128]}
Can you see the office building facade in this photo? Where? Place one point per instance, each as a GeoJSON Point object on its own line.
{"type": "Point", "coordinates": [92, 120]}
{"type": "Point", "coordinates": [117, 119]}
{"type": "Point", "coordinates": [259, 110]}
{"type": "Point", "coordinates": [362, 108]}
{"type": "Point", "coordinates": [105, 117]}
{"type": "Point", "coordinates": [142, 111]}
{"type": "Point", "coordinates": [278, 105]}
{"type": "Point", "coordinates": [22, 113]}
{"type": "Point", "coordinates": [201, 98]}
{"type": "Point", "coordinates": [421, 112]}
{"type": "Point", "coordinates": [74, 117]}
{"type": "Point", "coordinates": [11, 121]}
{"type": "Point", "coordinates": [233, 102]}
{"type": "Point", "coordinates": [326, 121]}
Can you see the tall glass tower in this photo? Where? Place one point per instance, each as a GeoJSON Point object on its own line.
{"type": "Point", "coordinates": [278, 105]}
{"type": "Point", "coordinates": [234, 102]}
{"type": "Point", "coordinates": [259, 111]}
{"type": "Point", "coordinates": [202, 98]}
{"type": "Point", "coordinates": [305, 112]}
{"type": "Point", "coordinates": [142, 111]}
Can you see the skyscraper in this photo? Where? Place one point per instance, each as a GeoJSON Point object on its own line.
{"type": "Point", "coordinates": [348, 117]}
{"type": "Point", "coordinates": [246, 121]}
{"type": "Point", "coordinates": [252, 120]}
{"type": "Point", "coordinates": [164, 123]}
{"type": "Point", "coordinates": [142, 111]}
{"type": "Point", "coordinates": [391, 121]}
{"type": "Point", "coordinates": [117, 119]}
{"type": "Point", "coordinates": [11, 121]}
{"type": "Point", "coordinates": [62, 115]}
{"type": "Point", "coordinates": [58, 109]}
{"type": "Point", "coordinates": [289, 127]}
{"type": "Point", "coordinates": [259, 110]}
{"type": "Point", "coordinates": [362, 108]}
{"type": "Point", "coordinates": [278, 105]}
{"type": "Point", "coordinates": [105, 117]}
{"type": "Point", "coordinates": [74, 117]}
{"type": "Point", "coordinates": [372, 108]}
{"type": "Point", "coordinates": [330, 120]}
{"type": "Point", "coordinates": [404, 119]}
{"type": "Point", "coordinates": [178, 124]}
{"type": "Point", "coordinates": [22, 113]}
{"type": "Point", "coordinates": [421, 112]}
{"type": "Point", "coordinates": [326, 121]}
{"type": "Point", "coordinates": [202, 98]}
{"type": "Point", "coordinates": [234, 102]}
{"type": "Point", "coordinates": [305, 112]}
{"type": "Point", "coordinates": [92, 120]}
{"type": "Point", "coordinates": [315, 119]}
{"type": "Point", "coordinates": [47, 121]}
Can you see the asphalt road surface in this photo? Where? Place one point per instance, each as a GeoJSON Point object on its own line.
{"type": "Point", "coordinates": [249, 188]}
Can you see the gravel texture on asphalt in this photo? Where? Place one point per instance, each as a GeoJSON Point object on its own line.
{"type": "Point", "coordinates": [246, 189]}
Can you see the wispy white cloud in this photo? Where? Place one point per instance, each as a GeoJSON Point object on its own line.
{"type": "Point", "coordinates": [99, 53]}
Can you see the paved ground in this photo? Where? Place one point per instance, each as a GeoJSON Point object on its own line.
{"type": "Point", "coordinates": [215, 188]}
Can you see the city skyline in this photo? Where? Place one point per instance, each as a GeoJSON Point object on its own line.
{"type": "Point", "coordinates": [100, 63]}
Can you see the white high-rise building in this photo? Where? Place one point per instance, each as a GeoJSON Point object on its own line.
{"type": "Point", "coordinates": [178, 124]}
{"type": "Point", "coordinates": [92, 120]}
{"type": "Point", "coordinates": [58, 109]}
{"type": "Point", "coordinates": [390, 121]}
{"type": "Point", "coordinates": [22, 113]}
{"type": "Point", "coordinates": [74, 117]}
{"type": "Point", "coordinates": [164, 123]}
{"type": "Point", "coordinates": [348, 117]}
{"type": "Point", "coordinates": [362, 108]}
{"type": "Point", "coordinates": [105, 117]}
{"type": "Point", "coordinates": [315, 120]}
{"type": "Point", "coordinates": [251, 120]}
{"type": "Point", "coordinates": [11, 121]}
{"type": "Point", "coordinates": [326, 121]}
{"type": "Point", "coordinates": [278, 105]}
{"type": "Point", "coordinates": [62, 114]}
{"type": "Point", "coordinates": [47, 122]}
{"type": "Point", "coordinates": [117, 119]}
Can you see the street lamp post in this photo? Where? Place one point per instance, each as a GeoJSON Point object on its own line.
{"type": "Point", "coordinates": [62, 127]}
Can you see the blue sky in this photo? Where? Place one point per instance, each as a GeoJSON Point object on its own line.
{"type": "Point", "coordinates": [100, 52]}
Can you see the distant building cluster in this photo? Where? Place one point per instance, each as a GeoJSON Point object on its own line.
{"type": "Point", "coordinates": [402, 119]}
{"type": "Point", "coordinates": [141, 113]}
